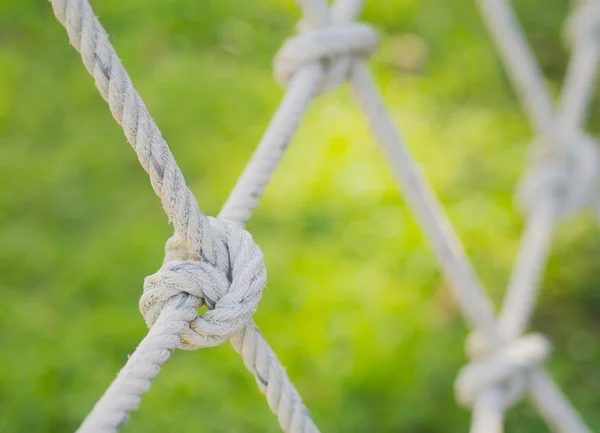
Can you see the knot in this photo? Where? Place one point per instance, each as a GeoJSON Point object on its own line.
{"type": "Point", "coordinates": [506, 369]}
{"type": "Point", "coordinates": [569, 173]}
{"type": "Point", "coordinates": [583, 24]}
{"type": "Point", "coordinates": [334, 47]}
{"type": "Point", "coordinates": [231, 295]}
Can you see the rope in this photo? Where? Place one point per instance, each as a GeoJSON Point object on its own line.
{"type": "Point", "coordinates": [561, 180]}
{"type": "Point", "coordinates": [464, 283]}
{"type": "Point", "coordinates": [550, 401]}
{"type": "Point", "coordinates": [312, 62]}
{"type": "Point", "coordinates": [172, 295]}
{"type": "Point", "coordinates": [509, 367]}
{"type": "Point", "coordinates": [215, 262]}
{"type": "Point", "coordinates": [581, 33]}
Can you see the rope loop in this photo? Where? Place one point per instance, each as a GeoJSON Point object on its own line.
{"type": "Point", "coordinates": [334, 47]}
{"type": "Point", "coordinates": [506, 368]}
{"type": "Point", "coordinates": [231, 295]}
{"type": "Point", "coordinates": [569, 173]}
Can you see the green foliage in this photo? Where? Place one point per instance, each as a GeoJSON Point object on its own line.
{"type": "Point", "coordinates": [356, 307]}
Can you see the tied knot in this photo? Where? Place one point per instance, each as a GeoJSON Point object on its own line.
{"type": "Point", "coordinates": [231, 293]}
{"type": "Point", "coordinates": [583, 25]}
{"type": "Point", "coordinates": [334, 47]}
{"type": "Point", "coordinates": [506, 368]}
{"type": "Point", "coordinates": [568, 173]}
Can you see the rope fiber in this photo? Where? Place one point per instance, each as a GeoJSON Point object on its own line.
{"type": "Point", "coordinates": [214, 262]}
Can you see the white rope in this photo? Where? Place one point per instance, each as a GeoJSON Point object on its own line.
{"type": "Point", "coordinates": [561, 181]}
{"type": "Point", "coordinates": [574, 171]}
{"type": "Point", "coordinates": [582, 35]}
{"type": "Point", "coordinates": [463, 280]}
{"type": "Point", "coordinates": [470, 294]}
{"type": "Point", "coordinates": [298, 54]}
{"type": "Point", "coordinates": [312, 62]}
{"type": "Point", "coordinates": [510, 367]}
{"type": "Point", "coordinates": [519, 61]}
{"type": "Point", "coordinates": [227, 273]}
{"type": "Point", "coordinates": [215, 263]}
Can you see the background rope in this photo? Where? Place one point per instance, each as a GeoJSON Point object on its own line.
{"type": "Point", "coordinates": [551, 403]}
{"type": "Point", "coordinates": [563, 176]}
{"type": "Point", "coordinates": [464, 283]}
{"type": "Point", "coordinates": [215, 263]}
{"type": "Point", "coordinates": [306, 64]}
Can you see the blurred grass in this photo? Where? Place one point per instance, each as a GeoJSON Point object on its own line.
{"type": "Point", "coordinates": [356, 307]}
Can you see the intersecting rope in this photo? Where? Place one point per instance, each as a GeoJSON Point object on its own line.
{"type": "Point", "coordinates": [215, 263]}
{"type": "Point", "coordinates": [211, 262]}
{"type": "Point", "coordinates": [561, 180]}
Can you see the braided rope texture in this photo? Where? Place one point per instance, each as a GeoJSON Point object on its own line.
{"type": "Point", "coordinates": [226, 274]}
{"type": "Point", "coordinates": [215, 263]}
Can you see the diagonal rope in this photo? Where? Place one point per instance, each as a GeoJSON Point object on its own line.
{"type": "Point", "coordinates": [581, 34]}
{"type": "Point", "coordinates": [209, 242]}
{"type": "Point", "coordinates": [471, 296]}
{"type": "Point", "coordinates": [463, 282]}
{"type": "Point", "coordinates": [547, 202]}
{"type": "Point", "coordinates": [304, 84]}
{"type": "Point", "coordinates": [519, 60]}
{"type": "Point", "coordinates": [573, 107]}
{"type": "Point", "coordinates": [215, 263]}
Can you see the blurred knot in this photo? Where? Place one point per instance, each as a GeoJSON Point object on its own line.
{"type": "Point", "coordinates": [583, 24]}
{"type": "Point", "coordinates": [506, 368]}
{"type": "Point", "coordinates": [568, 173]}
{"type": "Point", "coordinates": [335, 47]}
{"type": "Point", "coordinates": [231, 295]}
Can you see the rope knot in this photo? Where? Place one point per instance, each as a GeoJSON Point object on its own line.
{"type": "Point", "coordinates": [231, 293]}
{"type": "Point", "coordinates": [569, 172]}
{"type": "Point", "coordinates": [334, 47]}
{"type": "Point", "coordinates": [506, 368]}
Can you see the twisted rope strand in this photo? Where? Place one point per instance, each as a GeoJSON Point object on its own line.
{"type": "Point", "coordinates": [171, 309]}
{"type": "Point", "coordinates": [112, 81]}
{"type": "Point", "coordinates": [302, 88]}
{"type": "Point", "coordinates": [250, 186]}
{"type": "Point", "coordinates": [100, 59]}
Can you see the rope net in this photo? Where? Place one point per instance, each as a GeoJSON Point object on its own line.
{"type": "Point", "coordinates": [214, 262]}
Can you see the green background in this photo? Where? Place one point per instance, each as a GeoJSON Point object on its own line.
{"type": "Point", "coordinates": [356, 307]}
